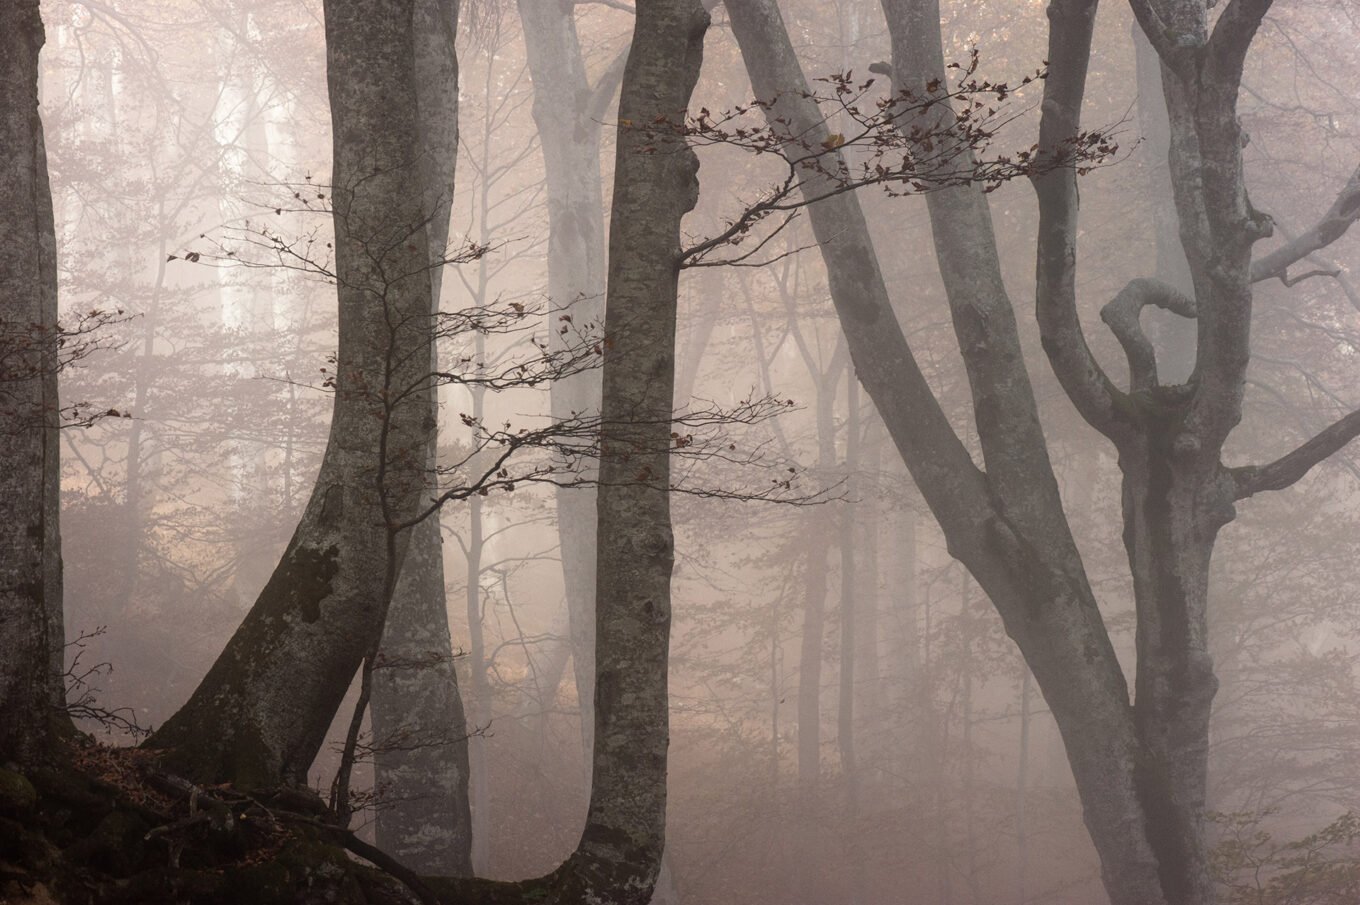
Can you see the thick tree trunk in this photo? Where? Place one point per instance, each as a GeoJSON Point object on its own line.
{"type": "Point", "coordinates": [264, 708]}
{"type": "Point", "coordinates": [1169, 538]}
{"type": "Point", "coordinates": [655, 185]}
{"type": "Point", "coordinates": [421, 763]}
{"type": "Point", "coordinates": [419, 730]}
{"type": "Point", "coordinates": [32, 643]}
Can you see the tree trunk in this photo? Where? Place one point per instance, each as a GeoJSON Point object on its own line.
{"type": "Point", "coordinates": [419, 728]}
{"type": "Point", "coordinates": [655, 185]}
{"type": "Point", "coordinates": [1005, 524]}
{"type": "Point", "coordinates": [263, 710]}
{"type": "Point", "coordinates": [619, 855]}
{"type": "Point", "coordinates": [811, 635]}
{"type": "Point", "coordinates": [32, 643]}
{"type": "Point", "coordinates": [568, 111]}
{"type": "Point", "coordinates": [1177, 338]}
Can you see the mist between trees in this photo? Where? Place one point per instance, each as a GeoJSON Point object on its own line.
{"type": "Point", "coordinates": [626, 451]}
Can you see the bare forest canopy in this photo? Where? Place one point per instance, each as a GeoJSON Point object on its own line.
{"type": "Point", "coordinates": [678, 452]}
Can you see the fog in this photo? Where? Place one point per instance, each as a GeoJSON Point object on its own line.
{"type": "Point", "coordinates": [851, 720]}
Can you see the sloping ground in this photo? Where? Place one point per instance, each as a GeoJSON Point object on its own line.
{"type": "Point", "coordinates": [108, 826]}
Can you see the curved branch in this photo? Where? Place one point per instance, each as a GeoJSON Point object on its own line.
{"type": "Point", "coordinates": [1082, 378]}
{"type": "Point", "coordinates": [1286, 470]}
{"type": "Point", "coordinates": [1232, 36]}
{"type": "Point", "coordinates": [1121, 316]}
{"type": "Point", "coordinates": [1345, 210]}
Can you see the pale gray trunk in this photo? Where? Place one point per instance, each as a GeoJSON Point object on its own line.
{"type": "Point", "coordinates": [845, 715]}
{"type": "Point", "coordinates": [480, 709]}
{"type": "Point", "coordinates": [811, 634]}
{"type": "Point", "coordinates": [419, 729]}
{"type": "Point", "coordinates": [1007, 524]}
{"type": "Point", "coordinates": [702, 322]}
{"type": "Point", "coordinates": [263, 710]}
{"type": "Point", "coordinates": [850, 605]}
{"type": "Point", "coordinates": [867, 513]}
{"type": "Point", "coordinates": [31, 632]}
{"type": "Point", "coordinates": [568, 113]}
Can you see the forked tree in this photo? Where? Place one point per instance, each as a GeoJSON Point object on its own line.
{"type": "Point", "coordinates": [1140, 761]}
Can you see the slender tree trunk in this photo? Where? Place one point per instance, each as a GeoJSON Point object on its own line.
{"type": "Point", "coordinates": [810, 658]}
{"type": "Point", "coordinates": [31, 631]}
{"type": "Point", "coordinates": [850, 606]}
{"type": "Point", "coordinates": [480, 787]}
{"type": "Point", "coordinates": [568, 112]}
{"type": "Point", "coordinates": [708, 306]}
{"type": "Point", "coordinates": [868, 510]}
{"type": "Point", "coordinates": [845, 714]}
{"type": "Point", "coordinates": [1177, 338]}
{"type": "Point", "coordinates": [419, 728]}
{"type": "Point", "coordinates": [263, 710]}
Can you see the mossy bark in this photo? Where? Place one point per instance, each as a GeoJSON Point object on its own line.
{"type": "Point", "coordinates": [262, 712]}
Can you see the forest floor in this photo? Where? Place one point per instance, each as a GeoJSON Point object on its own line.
{"type": "Point", "coordinates": [106, 826]}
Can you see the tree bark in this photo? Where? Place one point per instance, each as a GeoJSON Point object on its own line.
{"type": "Point", "coordinates": [619, 855]}
{"type": "Point", "coordinates": [419, 728]}
{"type": "Point", "coordinates": [655, 185]}
{"type": "Point", "coordinates": [32, 642]}
{"type": "Point", "coordinates": [1006, 524]}
{"type": "Point", "coordinates": [263, 710]}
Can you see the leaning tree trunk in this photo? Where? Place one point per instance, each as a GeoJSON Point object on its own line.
{"type": "Point", "coordinates": [419, 728]}
{"type": "Point", "coordinates": [263, 710]}
{"type": "Point", "coordinates": [31, 633]}
{"type": "Point", "coordinates": [1006, 524]}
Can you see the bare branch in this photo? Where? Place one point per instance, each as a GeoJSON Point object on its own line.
{"type": "Point", "coordinates": [1121, 316]}
{"type": "Point", "coordinates": [1345, 210]}
{"type": "Point", "coordinates": [1082, 378]}
{"type": "Point", "coordinates": [1286, 470]}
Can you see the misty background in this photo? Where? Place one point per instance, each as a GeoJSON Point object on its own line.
{"type": "Point", "coordinates": [849, 722]}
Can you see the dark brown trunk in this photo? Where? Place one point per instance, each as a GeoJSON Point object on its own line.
{"type": "Point", "coordinates": [31, 633]}
{"type": "Point", "coordinates": [263, 710]}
